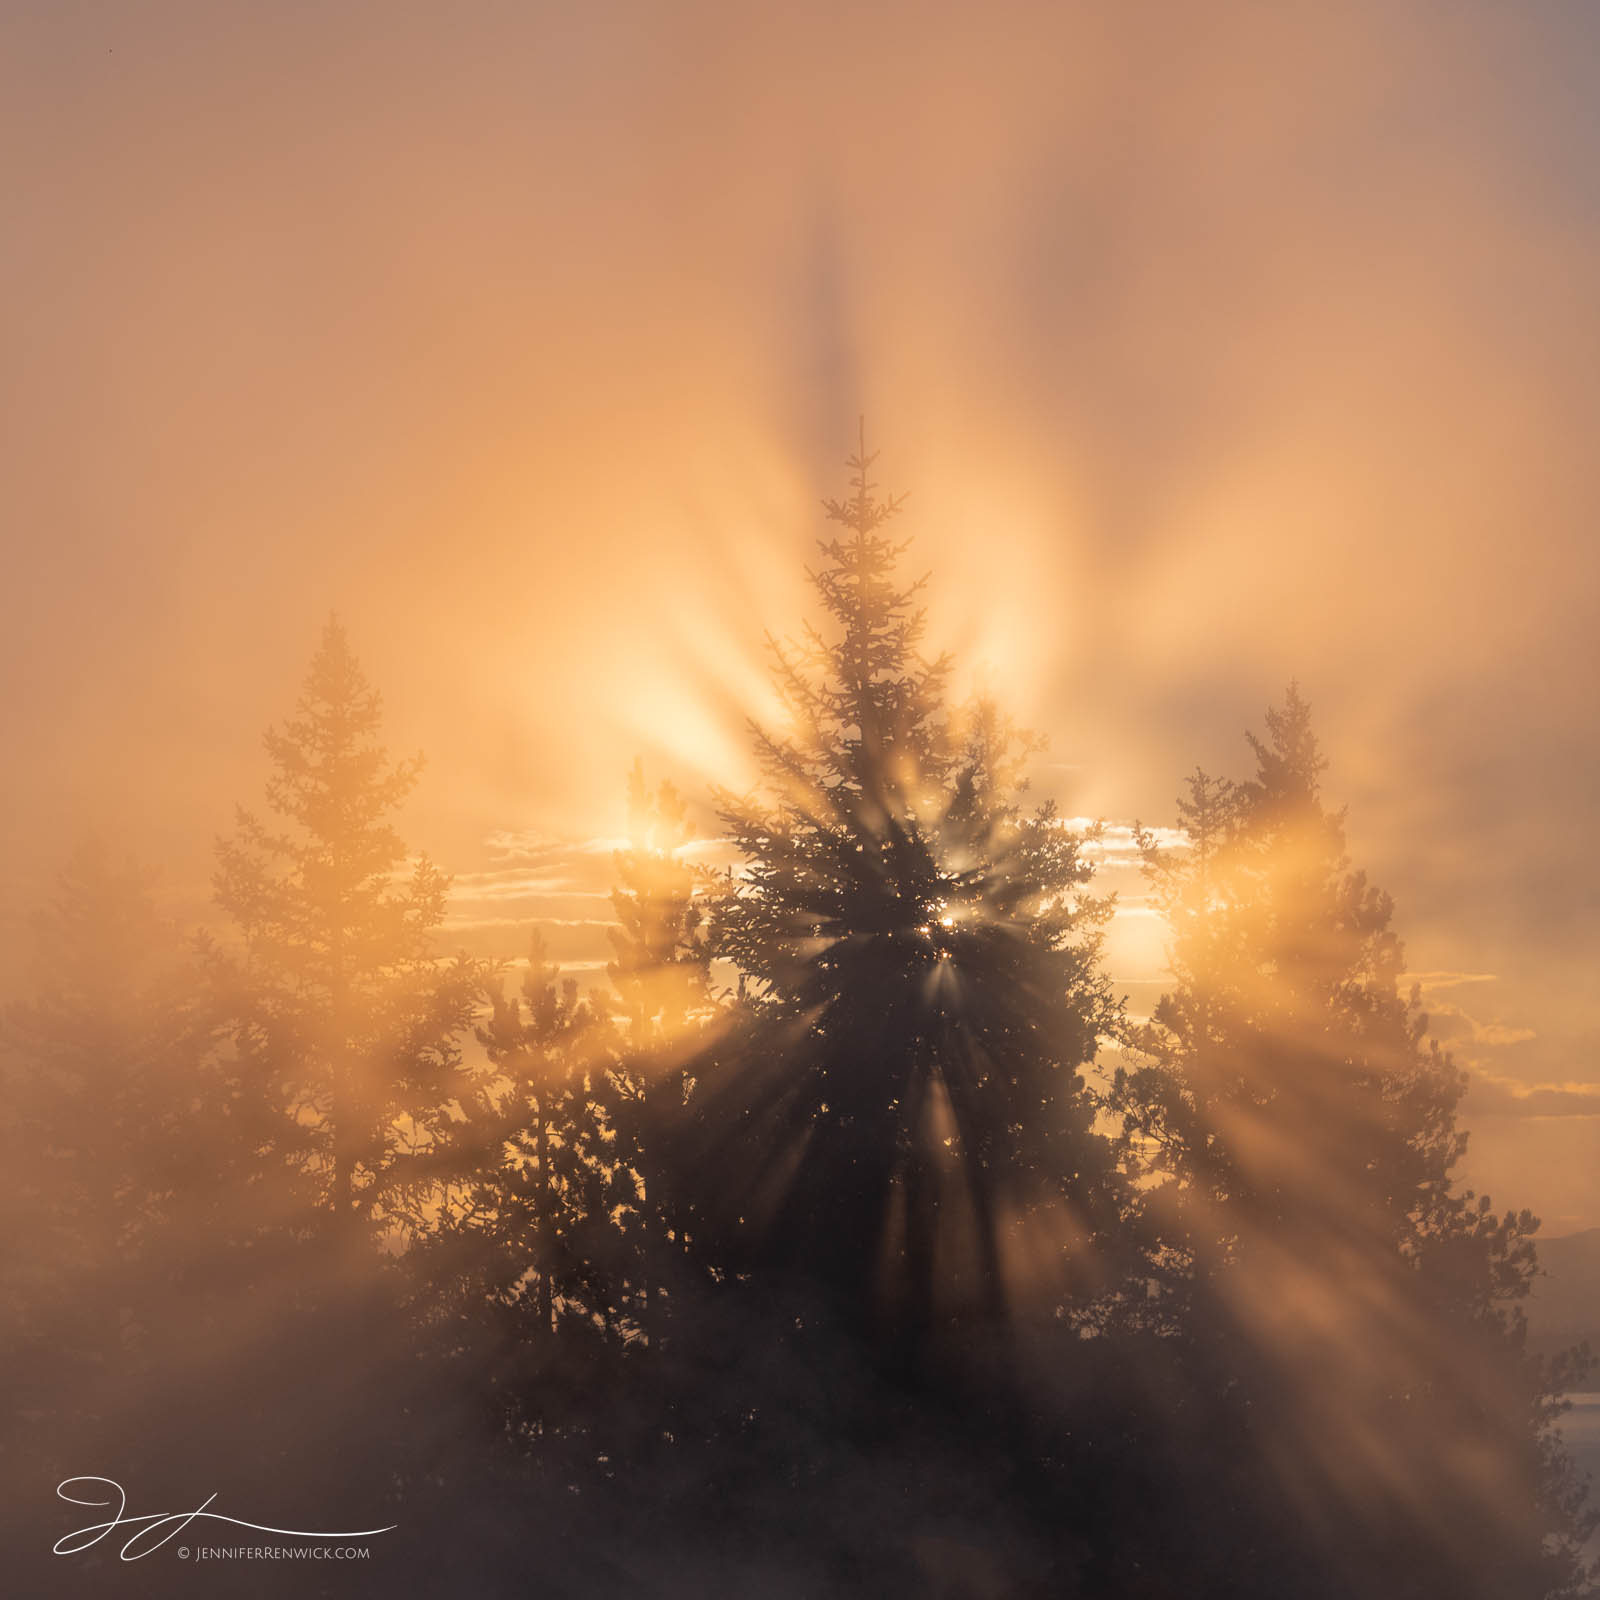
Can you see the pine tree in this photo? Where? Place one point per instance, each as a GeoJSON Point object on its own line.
{"type": "Point", "coordinates": [339, 999]}
{"type": "Point", "coordinates": [1359, 1310]}
{"type": "Point", "coordinates": [917, 954]}
{"type": "Point", "coordinates": [550, 1192]}
{"type": "Point", "coordinates": [524, 1279]}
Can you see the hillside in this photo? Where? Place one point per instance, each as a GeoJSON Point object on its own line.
{"type": "Point", "coordinates": [1564, 1307]}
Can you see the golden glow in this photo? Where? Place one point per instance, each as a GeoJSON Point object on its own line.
{"type": "Point", "coordinates": [531, 350]}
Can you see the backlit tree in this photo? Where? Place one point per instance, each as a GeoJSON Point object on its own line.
{"type": "Point", "coordinates": [1354, 1311]}
{"type": "Point", "coordinates": [904, 1092]}
{"type": "Point", "coordinates": [339, 997]}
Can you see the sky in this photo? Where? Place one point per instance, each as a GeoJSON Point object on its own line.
{"type": "Point", "coordinates": [1215, 345]}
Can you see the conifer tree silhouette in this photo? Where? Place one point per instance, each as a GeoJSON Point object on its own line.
{"type": "Point", "coordinates": [552, 1178]}
{"type": "Point", "coordinates": [524, 1279]}
{"type": "Point", "coordinates": [1358, 1307]}
{"type": "Point", "coordinates": [918, 960]}
{"type": "Point", "coordinates": [340, 999]}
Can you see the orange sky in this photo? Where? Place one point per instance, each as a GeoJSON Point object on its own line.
{"type": "Point", "coordinates": [1216, 345]}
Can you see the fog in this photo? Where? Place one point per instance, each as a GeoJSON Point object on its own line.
{"type": "Point", "coordinates": [1215, 348]}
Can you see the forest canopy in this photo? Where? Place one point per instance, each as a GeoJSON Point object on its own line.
{"type": "Point", "coordinates": [847, 1235]}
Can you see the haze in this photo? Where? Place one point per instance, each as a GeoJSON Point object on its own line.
{"type": "Point", "coordinates": [1217, 346]}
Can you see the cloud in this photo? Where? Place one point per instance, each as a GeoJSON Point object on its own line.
{"type": "Point", "coordinates": [518, 884]}
{"type": "Point", "coordinates": [1498, 1033]}
{"type": "Point", "coordinates": [530, 846]}
{"type": "Point", "coordinates": [1118, 842]}
{"type": "Point", "coordinates": [458, 924]}
{"type": "Point", "coordinates": [1448, 1021]}
{"type": "Point", "coordinates": [1491, 1096]}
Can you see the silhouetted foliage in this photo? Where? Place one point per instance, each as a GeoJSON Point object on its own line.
{"type": "Point", "coordinates": [920, 992]}
{"type": "Point", "coordinates": [556, 1194]}
{"type": "Point", "coordinates": [1357, 1311]}
{"type": "Point", "coordinates": [532, 1258]}
{"type": "Point", "coordinates": [811, 1257]}
{"type": "Point", "coordinates": [341, 1002]}
{"type": "Point", "coordinates": [336, 1017]}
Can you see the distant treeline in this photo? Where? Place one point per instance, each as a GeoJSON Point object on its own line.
{"type": "Point", "coordinates": [851, 1240]}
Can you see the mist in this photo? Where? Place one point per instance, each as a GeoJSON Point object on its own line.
{"type": "Point", "coordinates": [1215, 350]}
